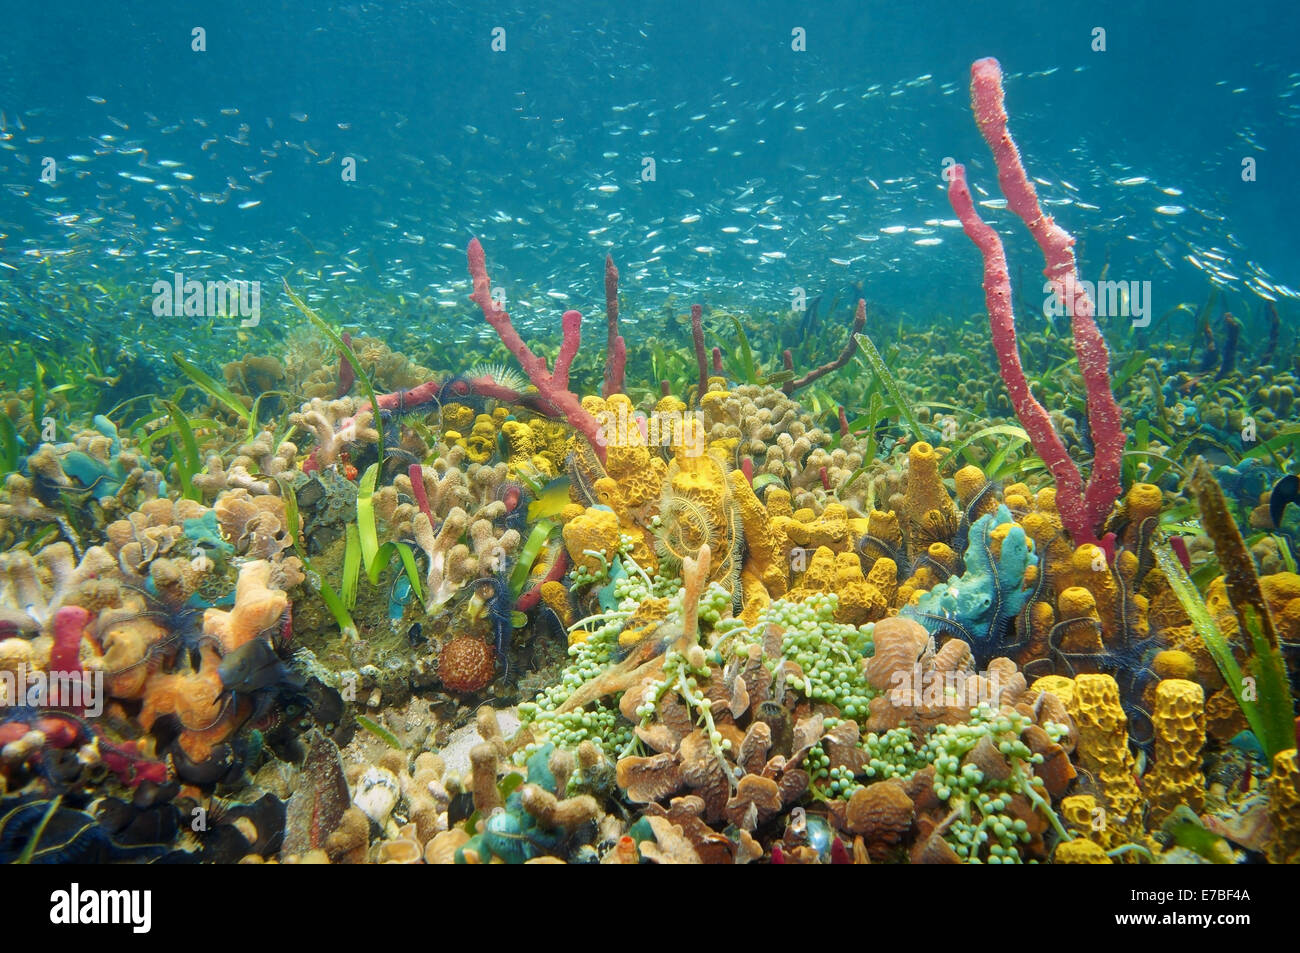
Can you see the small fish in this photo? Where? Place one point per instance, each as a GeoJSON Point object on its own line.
{"type": "Point", "coordinates": [1285, 490]}
{"type": "Point", "coordinates": [554, 498]}
{"type": "Point", "coordinates": [254, 666]}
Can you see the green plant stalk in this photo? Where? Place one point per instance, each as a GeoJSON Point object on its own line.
{"type": "Point", "coordinates": [8, 444]}
{"type": "Point", "coordinates": [823, 402]}
{"type": "Point", "coordinates": [1284, 547]}
{"type": "Point", "coordinates": [344, 349]}
{"type": "Point", "coordinates": [183, 472]}
{"type": "Point", "coordinates": [430, 439]}
{"type": "Point", "coordinates": [1132, 849]}
{"type": "Point", "coordinates": [351, 567]}
{"type": "Point", "coordinates": [380, 732]}
{"type": "Point", "coordinates": [1131, 366]}
{"type": "Point", "coordinates": [1163, 463]}
{"type": "Point", "coordinates": [1020, 469]}
{"type": "Point", "coordinates": [337, 609]}
{"type": "Point", "coordinates": [145, 443]}
{"type": "Point", "coordinates": [1170, 459]}
{"type": "Point", "coordinates": [375, 557]}
{"type": "Point", "coordinates": [951, 408]}
{"type": "Point", "coordinates": [216, 391]}
{"type": "Point", "coordinates": [887, 380]}
{"type": "Point", "coordinates": [1289, 437]}
{"type": "Point", "coordinates": [1162, 412]}
{"type": "Point", "coordinates": [369, 534]}
{"type": "Point", "coordinates": [412, 573]}
{"type": "Point", "coordinates": [187, 462]}
{"type": "Point", "coordinates": [253, 417]}
{"type": "Point", "coordinates": [1190, 599]}
{"type": "Point", "coordinates": [30, 850]}
{"type": "Point", "coordinates": [867, 420]}
{"type": "Point", "coordinates": [1221, 651]}
{"type": "Point", "coordinates": [1237, 395]}
{"type": "Point", "coordinates": [38, 397]}
{"type": "Point", "coordinates": [873, 411]}
{"type": "Point", "coordinates": [327, 593]}
{"type": "Point", "coordinates": [995, 462]}
{"type": "Point", "coordinates": [527, 556]}
{"type": "Point", "coordinates": [282, 431]}
{"type": "Point", "coordinates": [776, 378]}
{"type": "Point", "coordinates": [145, 440]}
{"type": "Point", "coordinates": [1267, 667]}
{"type": "Point", "coordinates": [868, 451]}
{"type": "Point", "coordinates": [509, 784]}
{"type": "Point", "coordinates": [120, 405]}
{"type": "Point", "coordinates": [843, 487]}
{"type": "Point", "coordinates": [747, 366]}
{"type": "Point", "coordinates": [999, 430]}
{"type": "Point", "coordinates": [1153, 333]}
{"type": "Point", "coordinates": [34, 542]}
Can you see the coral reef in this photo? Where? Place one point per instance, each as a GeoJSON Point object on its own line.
{"type": "Point", "coordinates": [666, 603]}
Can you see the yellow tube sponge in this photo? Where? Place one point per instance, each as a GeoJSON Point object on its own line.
{"type": "Point", "coordinates": [765, 561]}
{"type": "Point", "coordinates": [556, 598]}
{"type": "Point", "coordinates": [1080, 851]}
{"type": "Point", "coordinates": [968, 481]}
{"type": "Point", "coordinates": [639, 473]}
{"type": "Point", "coordinates": [1179, 721]}
{"type": "Point", "coordinates": [1058, 685]}
{"type": "Point", "coordinates": [1087, 820]}
{"type": "Point", "coordinates": [1090, 570]}
{"type": "Point", "coordinates": [883, 525]}
{"type": "Point", "coordinates": [480, 444]}
{"type": "Point", "coordinates": [1079, 603]}
{"type": "Point", "coordinates": [923, 580]}
{"type": "Point", "coordinates": [884, 576]}
{"type": "Point", "coordinates": [457, 417]}
{"type": "Point", "coordinates": [1141, 503]}
{"type": "Point", "coordinates": [778, 502]}
{"type": "Point", "coordinates": [819, 576]}
{"type": "Point", "coordinates": [925, 494]}
{"type": "Point", "coordinates": [520, 446]}
{"type": "Point", "coordinates": [1103, 749]}
{"type": "Point", "coordinates": [943, 555]}
{"type": "Point", "coordinates": [595, 530]}
{"type": "Point", "coordinates": [1174, 663]}
{"type": "Point", "coordinates": [831, 529]}
{"type": "Point", "coordinates": [1283, 787]}
{"type": "Point", "coordinates": [756, 596]}
{"type": "Point", "coordinates": [860, 601]}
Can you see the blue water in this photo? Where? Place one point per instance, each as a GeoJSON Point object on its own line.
{"type": "Point", "coordinates": [775, 169]}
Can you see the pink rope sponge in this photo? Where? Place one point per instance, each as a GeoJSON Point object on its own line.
{"type": "Point", "coordinates": [1083, 508]}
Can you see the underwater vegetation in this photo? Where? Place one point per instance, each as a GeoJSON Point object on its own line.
{"type": "Point", "coordinates": [783, 598]}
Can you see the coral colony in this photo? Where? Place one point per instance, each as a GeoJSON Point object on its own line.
{"type": "Point", "coordinates": [751, 603]}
